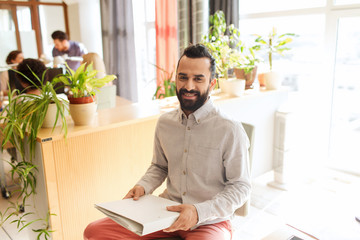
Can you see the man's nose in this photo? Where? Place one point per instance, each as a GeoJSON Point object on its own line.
{"type": "Point", "coordinates": [189, 85]}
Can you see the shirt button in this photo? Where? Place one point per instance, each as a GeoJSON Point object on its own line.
{"type": "Point", "coordinates": [188, 128]}
{"type": "Point", "coordinates": [185, 150]}
{"type": "Point", "coordinates": [184, 193]}
{"type": "Point", "coordinates": [184, 172]}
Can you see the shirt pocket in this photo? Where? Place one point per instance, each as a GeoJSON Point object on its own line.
{"type": "Point", "coordinates": [206, 162]}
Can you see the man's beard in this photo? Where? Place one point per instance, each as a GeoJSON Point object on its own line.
{"type": "Point", "coordinates": [190, 105]}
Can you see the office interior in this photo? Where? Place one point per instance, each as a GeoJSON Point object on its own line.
{"type": "Point", "coordinates": [305, 169]}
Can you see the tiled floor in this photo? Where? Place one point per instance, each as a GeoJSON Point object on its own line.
{"type": "Point", "coordinates": [323, 207]}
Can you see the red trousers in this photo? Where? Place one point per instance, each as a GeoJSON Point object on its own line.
{"type": "Point", "coordinates": [107, 229]}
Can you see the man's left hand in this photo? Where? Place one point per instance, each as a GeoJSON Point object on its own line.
{"type": "Point", "coordinates": [187, 219]}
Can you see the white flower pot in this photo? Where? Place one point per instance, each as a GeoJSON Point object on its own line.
{"type": "Point", "coordinates": [272, 80]}
{"type": "Point", "coordinates": [50, 117]}
{"type": "Point", "coordinates": [233, 87]}
{"type": "Point", "coordinates": [83, 114]}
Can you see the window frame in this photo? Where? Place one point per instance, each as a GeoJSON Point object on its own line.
{"type": "Point", "coordinates": [35, 19]}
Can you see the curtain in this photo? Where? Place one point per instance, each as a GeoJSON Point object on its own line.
{"type": "Point", "coordinates": [166, 38]}
{"type": "Point", "coordinates": [193, 21]}
{"type": "Point", "coordinates": [119, 45]}
{"type": "Point", "coordinates": [230, 9]}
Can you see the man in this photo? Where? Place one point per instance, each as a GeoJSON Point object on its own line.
{"type": "Point", "coordinates": [64, 46]}
{"type": "Point", "coordinates": [203, 155]}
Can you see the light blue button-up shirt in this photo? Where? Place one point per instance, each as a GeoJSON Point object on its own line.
{"type": "Point", "coordinates": [205, 160]}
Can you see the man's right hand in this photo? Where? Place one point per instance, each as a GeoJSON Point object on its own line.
{"type": "Point", "coordinates": [135, 192]}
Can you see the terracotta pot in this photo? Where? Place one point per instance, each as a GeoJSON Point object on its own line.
{"type": "Point", "coordinates": [261, 79]}
{"type": "Point", "coordinates": [81, 100]}
{"type": "Point", "coordinates": [249, 77]}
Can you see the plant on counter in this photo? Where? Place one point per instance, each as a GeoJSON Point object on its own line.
{"type": "Point", "coordinates": [169, 85]}
{"type": "Point", "coordinates": [224, 43]}
{"type": "Point", "coordinates": [83, 85]}
{"type": "Point", "coordinates": [21, 120]}
{"type": "Point", "coordinates": [275, 43]}
{"type": "Point", "coordinates": [83, 82]}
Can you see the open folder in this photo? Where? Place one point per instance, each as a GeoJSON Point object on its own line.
{"type": "Point", "coordinates": [144, 216]}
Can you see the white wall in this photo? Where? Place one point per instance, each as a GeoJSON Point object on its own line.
{"type": "Point", "coordinates": [85, 24]}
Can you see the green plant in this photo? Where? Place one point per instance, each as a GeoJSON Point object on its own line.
{"type": "Point", "coordinates": [25, 114]}
{"type": "Point", "coordinates": [224, 43]}
{"type": "Point", "coordinates": [83, 82]}
{"type": "Point", "coordinates": [169, 85]}
{"type": "Point", "coordinates": [275, 43]}
{"type": "Point", "coordinates": [21, 120]}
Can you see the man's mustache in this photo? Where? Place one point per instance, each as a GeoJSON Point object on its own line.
{"type": "Point", "coordinates": [183, 90]}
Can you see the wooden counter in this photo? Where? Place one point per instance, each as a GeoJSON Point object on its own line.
{"type": "Point", "coordinates": [103, 161]}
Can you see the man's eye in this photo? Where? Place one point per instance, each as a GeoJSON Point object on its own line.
{"type": "Point", "coordinates": [182, 77]}
{"type": "Point", "coordinates": [198, 79]}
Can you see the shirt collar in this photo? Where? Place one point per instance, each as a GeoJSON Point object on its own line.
{"type": "Point", "coordinates": [199, 114]}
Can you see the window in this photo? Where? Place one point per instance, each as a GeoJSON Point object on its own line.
{"type": "Point", "coordinates": [321, 69]}
{"type": "Point", "coordinates": [145, 48]}
{"type": "Point", "coordinates": [27, 26]}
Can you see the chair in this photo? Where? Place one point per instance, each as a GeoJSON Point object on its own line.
{"type": "Point", "coordinates": [244, 209]}
{"type": "Point", "coordinates": [249, 129]}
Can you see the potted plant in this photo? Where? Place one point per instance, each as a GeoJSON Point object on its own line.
{"type": "Point", "coordinates": [169, 85]}
{"type": "Point", "coordinates": [247, 68]}
{"type": "Point", "coordinates": [22, 119]}
{"type": "Point", "coordinates": [274, 44]}
{"type": "Point", "coordinates": [224, 43]}
{"type": "Point", "coordinates": [82, 85]}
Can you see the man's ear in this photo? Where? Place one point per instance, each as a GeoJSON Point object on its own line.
{"type": "Point", "coordinates": [213, 83]}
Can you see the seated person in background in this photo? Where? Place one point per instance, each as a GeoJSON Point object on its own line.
{"type": "Point", "coordinates": [14, 57]}
{"type": "Point", "coordinates": [202, 153]}
{"type": "Point", "coordinates": [65, 46]}
{"type": "Point", "coordinates": [98, 64]}
{"type": "Point", "coordinates": [37, 67]}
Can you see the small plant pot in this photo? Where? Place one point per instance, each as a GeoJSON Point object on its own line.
{"type": "Point", "coordinates": [50, 117]}
{"type": "Point", "coordinates": [81, 100]}
{"type": "Point", "coordinates": [233, 87]}
{"type": "Point", "coordinates": [83, 114]}
{"type": "Point", "coordinates": [272, 80]}
{"type": "Point", "coordinates": [261, 79]}
{"type": "Point", "coordinates": [249, 77]}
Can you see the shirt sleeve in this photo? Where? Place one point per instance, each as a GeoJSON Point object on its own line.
{"type": "Point", "coordinates": [237, 179]}
{"type": "Point", "coordinates": [158, 170]}
{"type": "Point", "coordinates": [82, 49]}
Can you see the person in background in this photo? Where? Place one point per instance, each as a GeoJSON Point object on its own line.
{"type": "Point", "coordinates": [98, 63]}
{"type": "Point", "coordinates": [14, 57]}
{"type": "Point", "coordinates": [37, 67]}
{"type": "Point", "coordinates": [203, 155]}
{"type": "Point", "coordinates": [64, 46]}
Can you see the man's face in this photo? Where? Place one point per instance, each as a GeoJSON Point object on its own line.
{"type": "Point", "coordinates": [61, 45]}
{"type": "Point", "coordinates": [193, 83]}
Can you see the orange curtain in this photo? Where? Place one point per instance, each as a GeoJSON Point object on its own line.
{"type": "Point", "coordinates": [166, 39]}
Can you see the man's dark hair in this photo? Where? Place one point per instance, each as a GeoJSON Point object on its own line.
{"type": "Point", "coordinates": [12, 56]}
{"type": "Point", "coordinates": [200, 51]}
{"type": "Point", "coordinates": [60, 35]}
{"type": "Point", "coordinates": [37, 67]}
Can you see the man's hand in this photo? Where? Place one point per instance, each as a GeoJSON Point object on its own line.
{"type": "Point", "coordinates": [187, 219]}
{"type": "Point", "coordinates": [135, 192]}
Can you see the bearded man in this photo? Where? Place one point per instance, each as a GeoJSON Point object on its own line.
{"type": "Point", "coordinates": [202, 154]}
